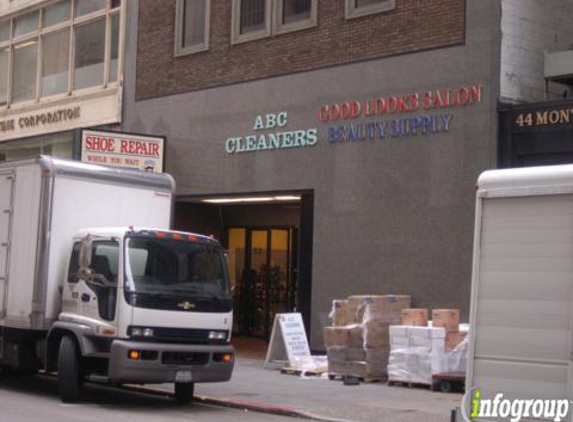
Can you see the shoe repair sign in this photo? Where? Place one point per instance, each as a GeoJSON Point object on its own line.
{"type": "Point", "coordinates": [125, 150]}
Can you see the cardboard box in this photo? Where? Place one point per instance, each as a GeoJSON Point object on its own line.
{"type": "Point", "coordinates": [387, 308]}
{"type": "Point", "coordinates": [376, 334]}
{"type": "Point", "coordinates": [428, 332]}
{"type": "Point", "coordinates": [437, 345]}
{"type": "Point", "coordinates": [352, 305]}
{"type": "Point", "coordinates": [416, 317]}
{"type": "Point", "coordinates": [347, 336]}
{"type": "Point", "coordinates": [367, 370]}
{"type": "Point", "coordinates": [447, 318]}
{"type": "Point", "coordinates": [346, 354]}
{"type": "Point", "coordinates": [399, 331]}
{"type": "Point", "coordinates": [333, 336]}
{"type": "Point", "coordinates": [337, 367]}
{"type": "Point", "coordinates": [336, 353]}
{"type": "Point", "coordinates": [399, 342]}
{"type": "Point", "coordinates": [356, 354]}
{"type": "Point", "coordinates": [338, 313]}
{"type": "Point", "coordinates": [377, 356]}
{"type": "Point", "coordinates": [453, 339]}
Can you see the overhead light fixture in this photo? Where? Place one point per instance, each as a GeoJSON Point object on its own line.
{"type": "Point", "coordinates": [248, 200]}
{"type": "Point", "coordinates": [287, 198]}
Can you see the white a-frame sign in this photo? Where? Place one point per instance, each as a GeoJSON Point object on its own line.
{"type": "Point", "coordinates": [288, 344]}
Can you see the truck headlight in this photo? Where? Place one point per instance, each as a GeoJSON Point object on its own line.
{"type": "Point", "coordinates": [141, 332]}
{"type": "Point", "coordinates": [217, 335]}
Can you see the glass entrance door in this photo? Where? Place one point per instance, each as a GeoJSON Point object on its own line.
{"type": "Point", "coordinates": [263, 274]}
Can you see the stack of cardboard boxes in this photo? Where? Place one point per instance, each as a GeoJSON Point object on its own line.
{"type": "Point", "coordinates": [358, 343]}
{"type": "Point", "coordinates": [450, 320]}
{"type": "Point", "coordinates": [419, 351]}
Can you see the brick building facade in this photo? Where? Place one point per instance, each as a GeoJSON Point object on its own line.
{"type": "Point", "coordinates": [386, 198]}
{"type": "Point", "coordinates": [412, 26]}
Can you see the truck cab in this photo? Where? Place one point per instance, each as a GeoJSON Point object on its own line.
{"type": "Point", "coordinates": [143, 305]}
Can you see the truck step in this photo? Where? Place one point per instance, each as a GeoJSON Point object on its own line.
{"type": "Point", "coordinates": [99, 379]}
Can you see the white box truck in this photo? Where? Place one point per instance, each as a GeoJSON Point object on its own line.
{"type": "Point", "coordinates": [521, 336]}
{"type": "Point", "coordinates": [95, 286]}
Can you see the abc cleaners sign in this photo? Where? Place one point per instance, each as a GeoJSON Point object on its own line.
{"type": "Point", "coordinates": [123, 150]}
{"type": "Point", "coordinates": [271, 134]}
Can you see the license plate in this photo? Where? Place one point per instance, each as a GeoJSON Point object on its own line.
{"type": "Point", "coordinates": [183, 376]}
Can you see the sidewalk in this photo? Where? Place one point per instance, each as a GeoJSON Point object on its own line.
{"type": "Point", "coordinates": [320, 398]}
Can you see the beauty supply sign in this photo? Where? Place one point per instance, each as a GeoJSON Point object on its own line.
{"type": "Point", "coordinates": [125, 150]}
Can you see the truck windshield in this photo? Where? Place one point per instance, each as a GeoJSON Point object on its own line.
{"type": "Point", "coordinates": [176, 268]}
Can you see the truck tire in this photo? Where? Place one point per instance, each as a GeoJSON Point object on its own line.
{"type": "Point", "coordinates": [184, 392]}
{"type": "Point", "coordinates": [70, 374]}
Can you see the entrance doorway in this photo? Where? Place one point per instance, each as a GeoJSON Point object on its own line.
{"type": "Point", "coordinates": [263, 267]}
{"type": "Point", "coordinates": [269, 238]}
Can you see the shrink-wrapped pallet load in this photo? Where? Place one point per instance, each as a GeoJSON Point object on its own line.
{"type": "Point", "coordinates": [361, 348]}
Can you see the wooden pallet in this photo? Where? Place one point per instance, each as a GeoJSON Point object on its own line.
{"type": "Point", "coordinates": [365, 380]}
{"type": "Point", "coordinates": [409, 384]}
{"type": "Point", "coordinates": [299, 372]}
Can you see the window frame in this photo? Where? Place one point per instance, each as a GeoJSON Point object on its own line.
{"type": "Point", "coordinates": [284, 28]}
{"type": "Point", "coordinates": [71, 23]}
{"type": "Point", "coordinates": [237, 37]}
{"type": "Point", "coordinates": [178, 48]}
{"type": "Point", "coordinates": [352, 11]}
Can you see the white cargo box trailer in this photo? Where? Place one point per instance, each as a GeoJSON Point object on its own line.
{"type": "Point", "coordinates": [43, 204]}
{"type": "Point", "coordinates": [95, 285]}
{"type": "Point", "coordinates": [521, 342]}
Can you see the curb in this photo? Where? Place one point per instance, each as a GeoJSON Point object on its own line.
{"type": "Point", "coordinates": [237, 404]}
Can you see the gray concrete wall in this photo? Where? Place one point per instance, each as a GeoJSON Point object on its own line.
{"type": "Point", "coordinates": [391, 215]}
{"type": "Point", "coordinates": [529, 28]}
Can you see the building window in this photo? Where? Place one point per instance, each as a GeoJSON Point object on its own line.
{"type": "Point", "coordinates": [25, 58]}
{"type": "Point", "coordinates": [254, 19]}
{"type": "Point", "coordinates": [55, 65]}
{"type": "Point", "coordinates": [357, 8]}
{"type": "Point", "coordinates": [89, 54]}
{"type": "Point", "coordinates": [59, 49]}
{"type": "Point", "coordinates": [192, 26]}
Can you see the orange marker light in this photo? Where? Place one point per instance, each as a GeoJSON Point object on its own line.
{"type": "Point", "coordinates": [161, 234]}
{"type": "Point", "coordinates": [134, 354]}
{"type": "Point", "coordinates": [227, 357]}
{"type": "Point", "coordinates": [192, 238]}
{"type": "Point", "coordinates": [177, 236]}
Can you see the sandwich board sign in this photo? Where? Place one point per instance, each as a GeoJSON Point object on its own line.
{"type": "Point", "coordinates": [288, 344]}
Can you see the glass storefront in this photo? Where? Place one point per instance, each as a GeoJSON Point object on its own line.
{"type": "Point", "coordinates": [58, 145]}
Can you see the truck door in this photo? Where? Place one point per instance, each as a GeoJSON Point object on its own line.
{"type": "Point", "coordinates": [6, 199]}
{"type": "Point", "coordinates": [96, 298]}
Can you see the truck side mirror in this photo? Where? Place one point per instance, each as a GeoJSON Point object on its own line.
{"type": "Point", "coordinates": [86, 274]}
{"type": "Point", "coordinates": [85, 252]}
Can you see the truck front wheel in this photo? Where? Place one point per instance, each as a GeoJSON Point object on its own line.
{"type": "Point", "coordinates": [184, 392]}
{"type": "Point", "coordinates": [70, 374]}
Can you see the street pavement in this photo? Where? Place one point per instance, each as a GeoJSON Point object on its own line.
{"type": "Point", "coordinates": [320, 398]}
{"type": "Point", "coordinates": [253, 394]}
{"type": "Point", "coordinates": [35, 399]}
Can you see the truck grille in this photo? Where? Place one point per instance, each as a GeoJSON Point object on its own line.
{"type": "Point", "coordinates": [184, 335]}
{"type": "Point", "coordinates": [185, 358]}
